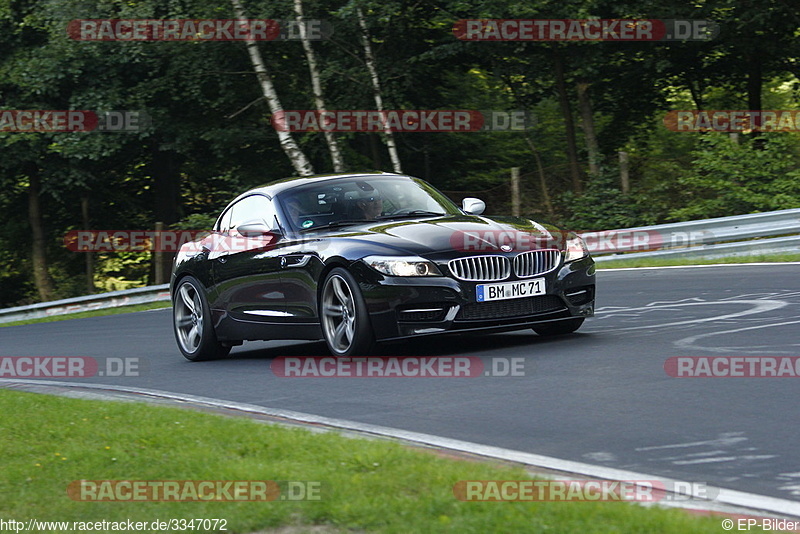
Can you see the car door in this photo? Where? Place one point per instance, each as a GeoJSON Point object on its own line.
{"type": "Point", "coordinates": [247, 270]}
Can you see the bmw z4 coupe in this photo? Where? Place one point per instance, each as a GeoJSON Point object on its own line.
{"type": "Point", "coordinates": [356, 259]}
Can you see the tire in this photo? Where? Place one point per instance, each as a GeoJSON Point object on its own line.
{"type": "Point", "coordinates": [191, 322]}
{"type": "Point", "coordinates": [344, 317]}
{"type": "Point", "coordinates": [559, 328]}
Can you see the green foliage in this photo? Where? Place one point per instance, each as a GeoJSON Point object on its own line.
{"type": "Point", "coordinates": [752, 175]}
{"type": "Point", "coordinates": [603, 206]}
{"type": "Point", "coordinates": [122, 270]}
{"type": "Point", "coordinates": [210, 137]}
{"type": "Point", "coordinates": [196, 221]}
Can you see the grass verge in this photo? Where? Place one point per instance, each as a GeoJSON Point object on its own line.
{"type": "Point", "coordinates": [366, 486]}
{"type": "Point", "coordinates": [664, 262]}
{"type": "Point", "coordinates": [94, 313]}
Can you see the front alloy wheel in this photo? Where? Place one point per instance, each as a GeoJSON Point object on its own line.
{"type": "Point", "coordinates": [191, 321]}
{"type": "Point", "coordinates": [344, 317]}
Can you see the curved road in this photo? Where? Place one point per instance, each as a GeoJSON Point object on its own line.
{"type": "Point", "coordinates": [600, 396]}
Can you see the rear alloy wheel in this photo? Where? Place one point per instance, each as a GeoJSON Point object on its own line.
{"type": "Point", "coordinates": [559, 328]}
{"type": "Point", "coordinates": [191, 319]}
{"type": "Point", "coordinates": [344, 317]}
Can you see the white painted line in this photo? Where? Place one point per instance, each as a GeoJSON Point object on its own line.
{"type": "Point", "coordinates": [611, 269]}
{"type": "Point", "coordinates": [759, 306]}
{"type": "Point", "coordinates": [750, 501]}
{"type": "Point", "coordinates": [687, 343]}
{"type": "Point", "coordinates": [727, 439]}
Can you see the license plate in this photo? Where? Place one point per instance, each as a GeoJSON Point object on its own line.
{"type": "Point", "coordinates": [510, 290]}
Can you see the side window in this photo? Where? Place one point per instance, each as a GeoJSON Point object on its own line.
{"type": "Point", "coordinates": [254, 207]}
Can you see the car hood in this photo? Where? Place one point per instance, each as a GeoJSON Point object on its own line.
{"type": "Point", "coordinates": [430, 237]}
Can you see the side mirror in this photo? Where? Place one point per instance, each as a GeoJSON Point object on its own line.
{"type": "Point", "coordinates": [473, 206]}
{"type": "Point", "coordinates": [254, 229]}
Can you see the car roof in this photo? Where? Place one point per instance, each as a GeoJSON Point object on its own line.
{"type": "Point", "coordinates": [273, 188]}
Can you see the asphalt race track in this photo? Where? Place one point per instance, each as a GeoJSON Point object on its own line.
{"type": "Point", "coordinates": [600, 396]}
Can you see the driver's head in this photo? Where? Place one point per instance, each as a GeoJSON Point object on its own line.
{"type": "Point", "coordinates": [366, 201]}
{"type": "Point", "coordinates": [371, 207]}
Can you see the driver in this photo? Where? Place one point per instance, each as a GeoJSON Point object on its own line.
{"type": "Point", "coordinates": [365, 204]}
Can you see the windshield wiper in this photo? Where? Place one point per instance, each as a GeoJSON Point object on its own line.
{"type": "Point", "coordinates": [334, 224]}
{"type": "Point", "coordinates": [411, 214]}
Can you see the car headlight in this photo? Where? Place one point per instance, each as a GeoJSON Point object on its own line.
{"type": "Point", "coordinates": [403, 266]}
{"type": "Point", "coordinates": [576, 249]}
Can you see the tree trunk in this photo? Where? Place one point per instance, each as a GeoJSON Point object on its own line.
{"type": "Point", "coordinates": [301, 164]}
{"type": "Point", "coordinates": [316, 87]}
{"type": "Point", "coordinates": [754, 83]}
{"type": "Point", "coordinates": [697, 94]}
{"type": "Point", "coordinates": [754, 86]}
{"type": "Point", "coordinates": [374, 150]}
{"type": "Point", "coordinates": [587, 125]}
{"type": "Point", "coordinates": [548, 204]}
{"type": "Point", "coordinates": [624, 174]}
{"type": "Point", "coordinates": [515, 200]}
{"type": "Point", "coordinates": [165, 169]}
{"type": "Point", "coordinates": [41, 276]}
{"type": "Point", "coordinates": [426, 160]}
{"type": "Point", "coordinates": [569, 125]}
{"type": "Point", "coordinates": [89, 254]}
{"type": "Point", "coordinates": [166, 172]}
{"type": "Point", "coordinates": [376, 88]}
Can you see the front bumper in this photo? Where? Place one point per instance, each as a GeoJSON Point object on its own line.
{"type": "Point", "coordinates": [400, 307]}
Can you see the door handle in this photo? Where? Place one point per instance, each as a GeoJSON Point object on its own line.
{"type": "Point", "coordinates": [223, 257]}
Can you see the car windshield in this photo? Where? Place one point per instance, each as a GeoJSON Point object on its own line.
{"type": "Point", "coordinates": [361, 198]}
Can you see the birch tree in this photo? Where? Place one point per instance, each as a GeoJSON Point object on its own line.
{"type": "Point", "coordinates": [299, 160]}
{"type": "Point", "coordinates": [369, 58]}
{"type": "Point", "coordinates": [316, 87]}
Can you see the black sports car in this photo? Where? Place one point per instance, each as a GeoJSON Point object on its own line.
{"type": "Point", "coordinates": [359, 258]}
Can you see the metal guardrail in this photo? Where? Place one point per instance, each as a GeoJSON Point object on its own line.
{"type": "Point", "coordinates": [691, 234]}
{"type": "Point", "coordinates": [706, 239]}
{"type": "Point", "coordinates": [113, 299]}
{"type": "Point", "coordinates": [778, 245]}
